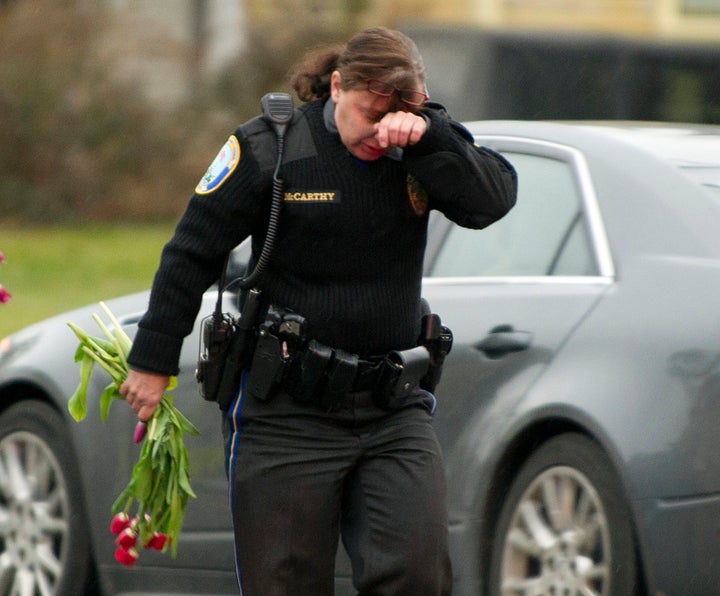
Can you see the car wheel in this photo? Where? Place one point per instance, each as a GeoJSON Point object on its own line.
{"type": "Point", "coordinates": [564, 527]}
{"type": "Point", "coordinates": [44, 545]}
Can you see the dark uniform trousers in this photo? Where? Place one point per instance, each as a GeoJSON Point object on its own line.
{"type": "Point", "coordinates": [301, 476]}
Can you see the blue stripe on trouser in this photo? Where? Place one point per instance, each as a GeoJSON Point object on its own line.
{"type": "Point", "coordinates": [233, 418]}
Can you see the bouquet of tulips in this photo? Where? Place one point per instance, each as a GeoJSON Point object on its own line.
{"type": "Point", "coordinates": [159, 488]}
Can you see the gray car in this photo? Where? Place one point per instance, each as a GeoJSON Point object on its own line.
{"type": "Point", "coordinates": [578, 411]}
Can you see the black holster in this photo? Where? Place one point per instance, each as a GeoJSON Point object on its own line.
{"type": "Point", "coordinates": [226, 346]}
{"type": "Point", "coordinates": [215, 340]}
{"type": "Point", "coordinates": [322, 375]}
{"type": "Point", "coordinates": [400, 376]}
{"type": "Point", "coordinates": [438, 339]}
{"type": "Point", "coordinates": [279, 339]}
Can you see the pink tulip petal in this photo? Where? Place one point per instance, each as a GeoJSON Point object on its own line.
{"type": "Point", "coordinates": [126, 557]}
{"type": "Point", "coordinates": [119, 522]}
{"type": "Point", "coordinates": [140, 432]}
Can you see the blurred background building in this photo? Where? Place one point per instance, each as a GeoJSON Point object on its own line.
{"type": "Point", "coordinates": [626, 59]}
{"type": "Point", "coordinates": [112, 108]}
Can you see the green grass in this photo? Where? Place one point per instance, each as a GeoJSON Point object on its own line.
{"type": "Point", "coordinates": [50, 270]}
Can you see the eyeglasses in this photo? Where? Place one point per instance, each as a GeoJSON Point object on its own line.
{"type": "Point", "coordinates": [409, 96]}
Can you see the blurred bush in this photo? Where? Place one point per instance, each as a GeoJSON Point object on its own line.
{"type": "Point", "coordinates": [74, 144]}
{"type": "Point", "coordinates": [78, 144]}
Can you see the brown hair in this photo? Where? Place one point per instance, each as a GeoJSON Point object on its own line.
{"type": "Point", "coordinates": [377, 53]}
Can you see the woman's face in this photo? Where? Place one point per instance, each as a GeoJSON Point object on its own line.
{"type": "Point", "coordinates": [357, 111]}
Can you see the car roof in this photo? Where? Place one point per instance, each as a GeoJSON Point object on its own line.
{"type": "Point", "coordinates": [675, 142]}
{"type": "Point", "coordinates": [693, 149]}
{"type": "Point", "coordinates": [636, 167]}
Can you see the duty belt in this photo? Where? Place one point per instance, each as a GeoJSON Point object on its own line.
{"type": "Point", "coordinates": [323, 376]}
{"type": "Point", "coordinates": [312, 372]}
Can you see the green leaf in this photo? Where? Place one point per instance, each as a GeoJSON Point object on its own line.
{"type": "Point", "coordinates": [77, 404]}
{"type": "Point", "coordinates": [115, 373]}
{"type": "Point", "coordinates": [106, 349]}
{"type": "Point", "coordinates": [109, 394]}
{"type": "Point", "coordinates": [185, 425]}
{"type": "Point", "coordinates": [142, 474]}
{"type": "Point", "coordinates": [177, 509]}
{"type": "Point", "coordinates": [173, 448]}
{"type": "Point", "coordinates": [170, 490]}
{"type": "Point", "coordinates": [184, 482]}
{"type": "Point", "coordinates": [79, 353]}
{"type": "Point", "coordinates": [159, 451]}
{"type": "Point", "coordinates": [158, 428]}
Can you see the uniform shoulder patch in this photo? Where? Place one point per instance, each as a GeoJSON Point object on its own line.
{"type": "Point", "coordinates": [220, 169]}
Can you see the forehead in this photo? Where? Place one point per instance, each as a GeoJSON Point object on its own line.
{"type": "Point", "coordinates": [372, 103]}
{"type": "Point", "coordinates": [398, 77]}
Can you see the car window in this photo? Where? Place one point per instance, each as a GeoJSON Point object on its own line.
{"type": "Point", "coordinates": [545, 234]}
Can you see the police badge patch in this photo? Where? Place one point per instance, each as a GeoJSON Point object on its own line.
{"type": "Point", "coordinates": [220, 169]}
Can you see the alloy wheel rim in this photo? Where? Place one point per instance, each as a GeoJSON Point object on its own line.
{"type": "Point", "coordinates": [34, 516]}
{"type": "Point", "coordinates": [558, 541]}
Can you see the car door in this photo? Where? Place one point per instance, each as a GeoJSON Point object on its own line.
{"type": "Point", "coordinates": [512, 293]}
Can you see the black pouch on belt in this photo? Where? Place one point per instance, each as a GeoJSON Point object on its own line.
{"type": "Point", "coordinates": [268, 366]}
{"type": "Point", "coordinates": [400, 375]}
{"type": "Point", "coordinates": [340, 376]}
{"type": "Point", "coordinates": [315, 360]}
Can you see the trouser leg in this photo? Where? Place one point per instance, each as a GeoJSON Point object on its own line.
{"type": "Point", "coordinates": [285, 490]}
{"type": "Point", "coordinates": [296, 471]}
{"type": "Point", "coordinates": [394, 510]}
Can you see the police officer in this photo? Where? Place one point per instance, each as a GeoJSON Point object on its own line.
{"type": "Point", "coordinates": [367, 157]}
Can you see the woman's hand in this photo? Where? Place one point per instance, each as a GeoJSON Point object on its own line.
{"type": "Point", "coordinates": [400, 129]}
{"type": "Point", "coordinates": [143, 391]}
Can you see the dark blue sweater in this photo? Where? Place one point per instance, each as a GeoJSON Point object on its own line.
{"type": "Point", "coordinates": [349, 250]}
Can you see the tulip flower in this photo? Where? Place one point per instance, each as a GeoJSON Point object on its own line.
{"type": "Point", "coordinates": [140, 432]}
{"type": "Point", "coordinates": [119, 522]}
{"type": "Point", "coordinates": [127, 538]}
{"type": "Point", "coordinates": [126, 556]}
{"type": "Point", "coordinates": [157, 541]}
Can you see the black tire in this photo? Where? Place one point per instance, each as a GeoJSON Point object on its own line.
{"type": "Point", "coordinates": [564, 528]}
{"type": "Point", "coordinates": [44, 544]}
